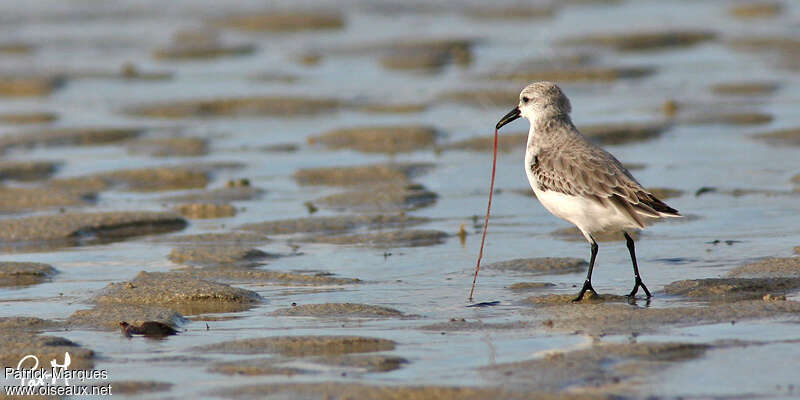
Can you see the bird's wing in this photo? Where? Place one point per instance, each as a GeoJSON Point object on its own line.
{"type": "Point", "coordinates": [593, 173]}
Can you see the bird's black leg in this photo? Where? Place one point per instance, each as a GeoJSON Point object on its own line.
{"type": "Point", "coordinates": [588, 284]}
{"type": "Point", "coordinates": [639, 282]}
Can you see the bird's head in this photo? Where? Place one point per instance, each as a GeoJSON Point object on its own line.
{"type": "Point", "coordinates": [538, 100]}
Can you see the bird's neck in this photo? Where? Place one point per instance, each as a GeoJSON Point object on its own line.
{"type": "Point", "coordinates": [540, 134]}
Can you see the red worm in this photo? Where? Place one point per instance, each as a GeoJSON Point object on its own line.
{"type": "Point", "coordinates": [486, 221]}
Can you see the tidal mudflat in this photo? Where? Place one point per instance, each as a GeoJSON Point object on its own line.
{"type": "Point", "coordinates": [297, 190]}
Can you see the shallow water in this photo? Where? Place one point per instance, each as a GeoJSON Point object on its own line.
{"type": "Point", "coordinates": [431, 282]}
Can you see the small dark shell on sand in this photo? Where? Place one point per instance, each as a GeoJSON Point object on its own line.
{"type": "Point", "coordinates": [147, 328]}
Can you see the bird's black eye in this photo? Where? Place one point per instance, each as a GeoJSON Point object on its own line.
{"type": "Point", "coordinates": [525, 99]}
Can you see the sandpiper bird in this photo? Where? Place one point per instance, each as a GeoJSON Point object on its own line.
{"type": "Point", "coordinates": [578, 181]}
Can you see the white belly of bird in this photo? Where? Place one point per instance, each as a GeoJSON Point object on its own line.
{"type": "Point", "coordinates": [588, 215]}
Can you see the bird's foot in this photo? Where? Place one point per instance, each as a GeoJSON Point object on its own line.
{"type": "Point", "coordinates": [586, 286]}
{"type": "Point", "coordinates": [636, 287]}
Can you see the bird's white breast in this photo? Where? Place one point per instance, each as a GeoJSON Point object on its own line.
{"type": "Point", "coordinates": [589, 215]}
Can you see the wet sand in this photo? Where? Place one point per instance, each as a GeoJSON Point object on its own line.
{"type": "Point", "coordinates": [298, 192]}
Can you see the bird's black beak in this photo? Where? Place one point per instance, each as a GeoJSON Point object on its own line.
{"type": "Point", "coordinates": [512, 115]}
